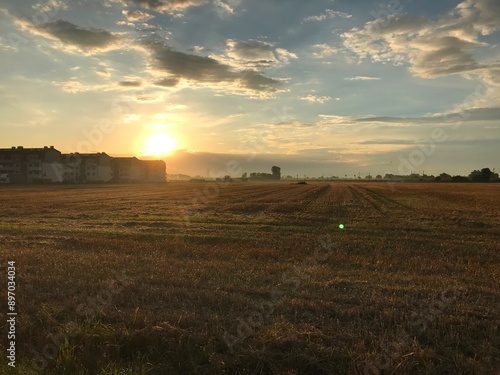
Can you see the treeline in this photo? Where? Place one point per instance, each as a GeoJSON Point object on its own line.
{"type": "Point", "coordinates": [483, 175]}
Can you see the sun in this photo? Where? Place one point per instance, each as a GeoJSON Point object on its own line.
{"type": "Point", "coordinates": [160, 144]}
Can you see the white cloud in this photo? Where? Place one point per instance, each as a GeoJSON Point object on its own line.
{"type": "Point", "coordinates": [362, 78]}
{"type": "Point", "coordinates": [323, 51]}
{"type": "Point", "coordinates": [317, 99]}
{"type": "Point", "coordinates": [223, 9]}
{"type": "Point", "coordinates": [328, 14]}
{"type": "Point", "coordinates": [285, 55]}
{"type": "Point", "coordinates": [132, 117]}
{"type": "Point", "coordinates": [136, 15]}
{"type": "Point", "coordinates": [71, 86]}
{"type": "Point", "coordinates": [51, 6]}
{"type": "Point", "coordinates": [253, 54]}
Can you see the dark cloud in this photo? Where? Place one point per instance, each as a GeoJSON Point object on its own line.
{"type": "Point", "coordinates": [443, 56]}
{"type": "Point", "coordinates": [255, 81]}
{"type": "Point", "coordinates": [167, 82]}
{"type": "Point", "coordinates": [130, 83]}
{"type": "Point", "coordinates": [388, 142]}
{"type": "Point", "coordinates": [207, 70]}
{"type": "Point", "coordinates": [253, 52]}
{"type": "Point", "coordinates": [85, 39]}
{"type": "Point", "coordinates": [478, 114]}
{"type": "Point", "coordinates": [167, 5]}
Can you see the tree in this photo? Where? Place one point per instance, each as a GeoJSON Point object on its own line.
{"type": "Point", "coordinates": [486, 174]}
{"type": "Point", "coordinates": [444, 177]}
{"type": "Point", "coordinates": [276, 172]}
{"type": "Point", "coordinates": [459, 179]}
{"type": "Point", "coordinates": [483, 175]}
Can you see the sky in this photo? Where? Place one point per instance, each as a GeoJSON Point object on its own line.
{"type": "Point", "coordinates": [320, 87]}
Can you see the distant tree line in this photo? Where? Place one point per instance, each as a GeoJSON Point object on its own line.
{"type": "Point", "coordinates": [483, 175]}
{"type": "Point", "coordinates": [260, 176]}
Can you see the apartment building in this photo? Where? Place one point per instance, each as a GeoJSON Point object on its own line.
{"type": "Point", "coordinates": [29, 165]}
{"type": "Point", "coordinates": [48, 165]}
{"type": "Point", "coordinates": [81, 168]}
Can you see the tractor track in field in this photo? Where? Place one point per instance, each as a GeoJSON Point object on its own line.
{"type": "Point", "coordinates": [306, 196]}
{"type": "Point", "coordinates": [322, 201]}
{"type": "Point", "coordinates": [253, 198]}
{"type": "Point", "coordinates": [367, 200]}
{"type": "Point", "coordinates": [310, 202]}
{"type": "Point", "coordinates": [382, 199]}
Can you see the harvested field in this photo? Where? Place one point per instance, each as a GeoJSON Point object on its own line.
{"type": "Point", "coordinates": [254, 278]}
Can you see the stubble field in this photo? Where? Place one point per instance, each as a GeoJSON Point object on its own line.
{"type": "Point", "coordinates": [253, 278]}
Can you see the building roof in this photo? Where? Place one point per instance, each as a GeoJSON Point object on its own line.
{"type": "Point", "coordinates": [28, 149]}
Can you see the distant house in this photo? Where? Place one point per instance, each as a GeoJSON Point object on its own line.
{"type": "Point", "coordinates": [27, 165]}
{"type": "Point", "coordinates": [95, 167]}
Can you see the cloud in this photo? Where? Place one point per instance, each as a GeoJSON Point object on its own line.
{"type": "Point", "coordinates": [481, 15]}
{"type": "Point", "coordinates": [328, 14]}
{"type": "Point", "coordinates": [72, 36]}
{"type": "Point", "coordinates": [293, 123]}
{"type": "Point", "coordinates": [167, 82]}
{"type": "Point", "coordinates": [130, 83]}
{"type": "Point", "coordinates": [167, 5]}
{"type": "Point", "coordinates": [424, 141]}
{"type": "Point", "coordinates": [71, 86]}
{"type": "Point", "coordinates": [132, 117]}
{"type": "Point", "coordinates": [207, 71]}
{"type": "Point", "coordinates": [254, 54]}
{"type": "Point", "coordinates": [136, 15]}
{"type": "Point", "coordinates": [51, 6]}
{"type": "Point", "coordinates": [323, 51]}
{"type": "Point", "coordinates": [334, 119]}
{"type": "Point", "coordinates": [469, 115]}
{"type": "Point", "coordinates": [431, 48]}
{"type": "Point", "coordinates": [388, 142]}
{"type": "Point", "coordinates": [317, 99]}
{"type": "Point", "coordinates": [223, 8]}
{"type": "Point", "coordinates": [362, 78]}
{"type": "Point", "coordinates": [285, 55]}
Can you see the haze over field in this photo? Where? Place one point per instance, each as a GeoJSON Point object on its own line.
{"type": "Point", "coordinates": [316, 87]}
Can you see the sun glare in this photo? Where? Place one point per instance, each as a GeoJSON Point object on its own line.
{"type": "Point", "coordinates": [160, 144]}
